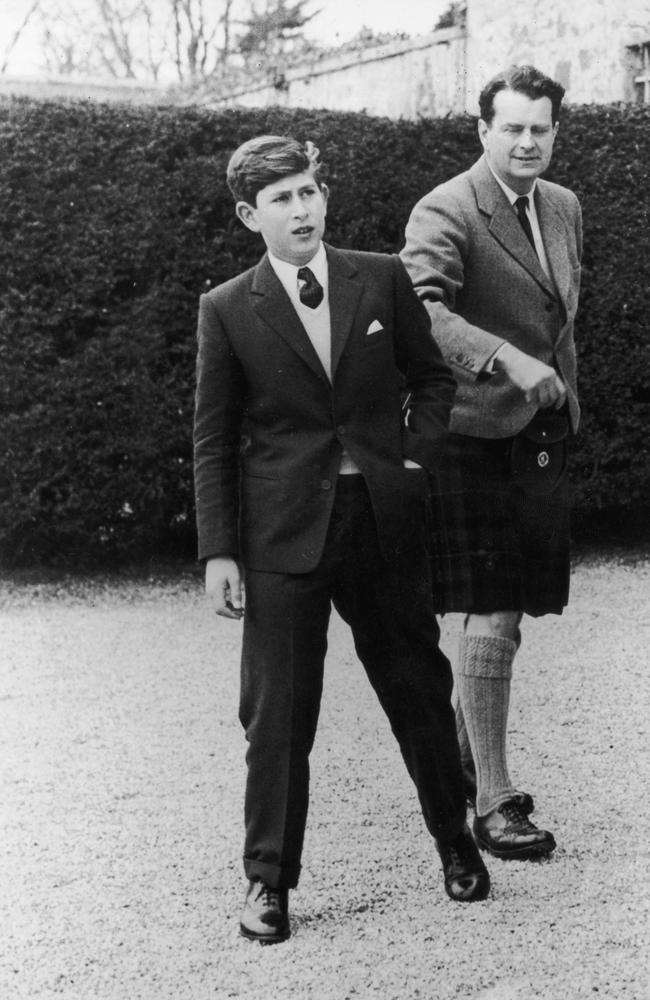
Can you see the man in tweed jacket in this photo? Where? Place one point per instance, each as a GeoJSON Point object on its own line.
{"type": "Point", "coordinates": [494, 254]}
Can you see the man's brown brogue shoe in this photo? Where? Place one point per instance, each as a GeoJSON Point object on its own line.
{"type": "Point", "coordinates": [466, 877]}
{"type": "Point", "coordinates": [265, 916]}
{"type": "Point", "coordinates": [507, 833]}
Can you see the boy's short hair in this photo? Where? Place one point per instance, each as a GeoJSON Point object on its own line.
{"type": "Point", "coordinates": [524, 80]}
{"type": "Point", "coordinates": [267, 159]}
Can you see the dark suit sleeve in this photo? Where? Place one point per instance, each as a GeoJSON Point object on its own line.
{"type": "Point", "coordinates": [429, 385]}
{"type": "Point", "coordinates": [217, 433]}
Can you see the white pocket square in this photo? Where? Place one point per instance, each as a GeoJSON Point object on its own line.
{"type": "Point", "coordinates": [374, 327]}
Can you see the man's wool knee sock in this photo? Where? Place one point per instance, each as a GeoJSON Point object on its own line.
{"type": "Point", "coordinates": [484, 673]}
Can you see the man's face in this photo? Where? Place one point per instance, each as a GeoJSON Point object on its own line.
{"type": "Point", "coordinates": [519, 140]}
{"type": "Point", "coordinates": [290, 215]}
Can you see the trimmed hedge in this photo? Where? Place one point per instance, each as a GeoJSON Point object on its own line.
{"type": "Point", "coordinates": [116, 218]}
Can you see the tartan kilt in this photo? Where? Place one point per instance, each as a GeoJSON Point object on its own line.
{"type": "Point", "coordinates": [493, 547]}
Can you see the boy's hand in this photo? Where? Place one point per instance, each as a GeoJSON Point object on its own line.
{"type": "Point", "coordinates": [224, 585]}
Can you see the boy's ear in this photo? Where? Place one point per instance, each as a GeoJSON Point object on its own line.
{"type": "Point", "coordinates": [325, 191]}
{"type": "Point", "coordinates": [246, 214]}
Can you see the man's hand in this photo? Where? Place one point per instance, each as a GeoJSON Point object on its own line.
{"type": "Point", "coordinates": [224, 585]}
{"type": "Point", "coordinates": [539, 382]}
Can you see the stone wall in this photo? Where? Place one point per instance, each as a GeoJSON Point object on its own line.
{"type": "Point", "coordinates": [582, 43]}
{"type": "Point", "coordinates": [585, 44]}
{"type": "Point", "coordinates": [421, 76]}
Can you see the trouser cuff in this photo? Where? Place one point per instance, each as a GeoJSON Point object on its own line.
{"type": "Point", "coordinates": [272, 875]}
{"type": "Point", "coordinates": [449, 830]}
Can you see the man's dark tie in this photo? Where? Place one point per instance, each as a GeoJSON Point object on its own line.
{"type": "Point", "coordinates": [311, 293]}
{"type": "Point", "coordinates": [521, 205]}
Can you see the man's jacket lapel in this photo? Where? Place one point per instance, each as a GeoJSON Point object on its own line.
{"type": "Point", "coordinates": [504, 225]}
{"type": "Point", "coordinates": [554, 235]}
{"type": "Point", "coordinates": [273, 306]}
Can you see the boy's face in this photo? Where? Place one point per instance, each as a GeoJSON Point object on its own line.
{"type": "Point", "coordinates": [290, 215]}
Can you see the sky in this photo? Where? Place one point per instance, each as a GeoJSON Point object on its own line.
{"type": "Point", "coordinates": [337, 22]}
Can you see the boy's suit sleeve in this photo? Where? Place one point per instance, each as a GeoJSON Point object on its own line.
{"type": "Point", "coordinates": [217, 432]}
{"type": "Point", "coordinates": [429, 383]}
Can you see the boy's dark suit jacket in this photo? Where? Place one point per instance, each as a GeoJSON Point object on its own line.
{"type": "Point", "coordinates": [270, 427]}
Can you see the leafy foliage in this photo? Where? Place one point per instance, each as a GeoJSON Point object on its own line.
{"type": "Point", "coordinates": [268, 31]}
{"type": "Point", "coordinates": [116, 218]}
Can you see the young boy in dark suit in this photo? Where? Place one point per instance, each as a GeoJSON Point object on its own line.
{"type": "Point", "coordinates": [311, 481]}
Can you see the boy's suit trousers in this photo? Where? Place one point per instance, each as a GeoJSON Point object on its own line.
{"type": "Point", "coordinates": [389, 609]}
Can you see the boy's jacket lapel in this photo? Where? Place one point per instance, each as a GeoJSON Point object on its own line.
{"type": "Point", "coordinates": [344, 295]}
{"type": "Point", "coordinates": [273, 306]}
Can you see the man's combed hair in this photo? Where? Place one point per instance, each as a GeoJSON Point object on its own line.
{"type": "Point", "coordinates": [524, 80]}
{"type": "Point", "coordinates": [265, 160]}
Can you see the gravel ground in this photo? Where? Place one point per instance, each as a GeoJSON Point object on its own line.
{"type": "Point", "coordinates": [122, 799]}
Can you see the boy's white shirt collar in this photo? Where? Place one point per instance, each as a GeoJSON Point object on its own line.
{"type": "Point", "coordinates": [288, 273]}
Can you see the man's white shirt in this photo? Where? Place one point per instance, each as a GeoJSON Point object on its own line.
{"type": "Point", "coordinates": [532, 217]}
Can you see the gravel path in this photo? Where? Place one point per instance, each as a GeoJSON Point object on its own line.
{"type": "Point", "coordinates": [121, 807]}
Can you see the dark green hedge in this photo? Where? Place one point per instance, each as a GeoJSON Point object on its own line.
{"type": "Point", "coordinates": [116, 218]}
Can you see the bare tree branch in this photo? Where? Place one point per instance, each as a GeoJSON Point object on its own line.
{"type": "Point", "coordinates": [193, 39]}
{"type": "Point", "coordinates": [154, 62]}
{"type": "Point", "coordinates": [177, 40]}
{"type": "Point", "coordinates": [18, 34]}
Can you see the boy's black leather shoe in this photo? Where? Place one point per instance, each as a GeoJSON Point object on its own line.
{"type": "Point", "coordinates": [265, 916]}
{"type": "Point", "coordinates": [507, 833]}
{"type": "Point", "coordinates": [466, 877]}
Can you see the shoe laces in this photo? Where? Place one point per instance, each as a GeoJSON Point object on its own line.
{"type": "Point", "coordinates": [457, 860]}
{"type": "Point", "coordinates": [515, 816]}
{"type": "Point", "coordinates": [270, 897]}
{"type": "Point", "coordinates": [458, 852]}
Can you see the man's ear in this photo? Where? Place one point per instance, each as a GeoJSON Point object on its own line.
{"type": "Point", "coordinates": [325, 191]}
{"type": "Point", "coordinates": [482, 131]}
{"type": "Point", "coordinates": [246, 214]}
